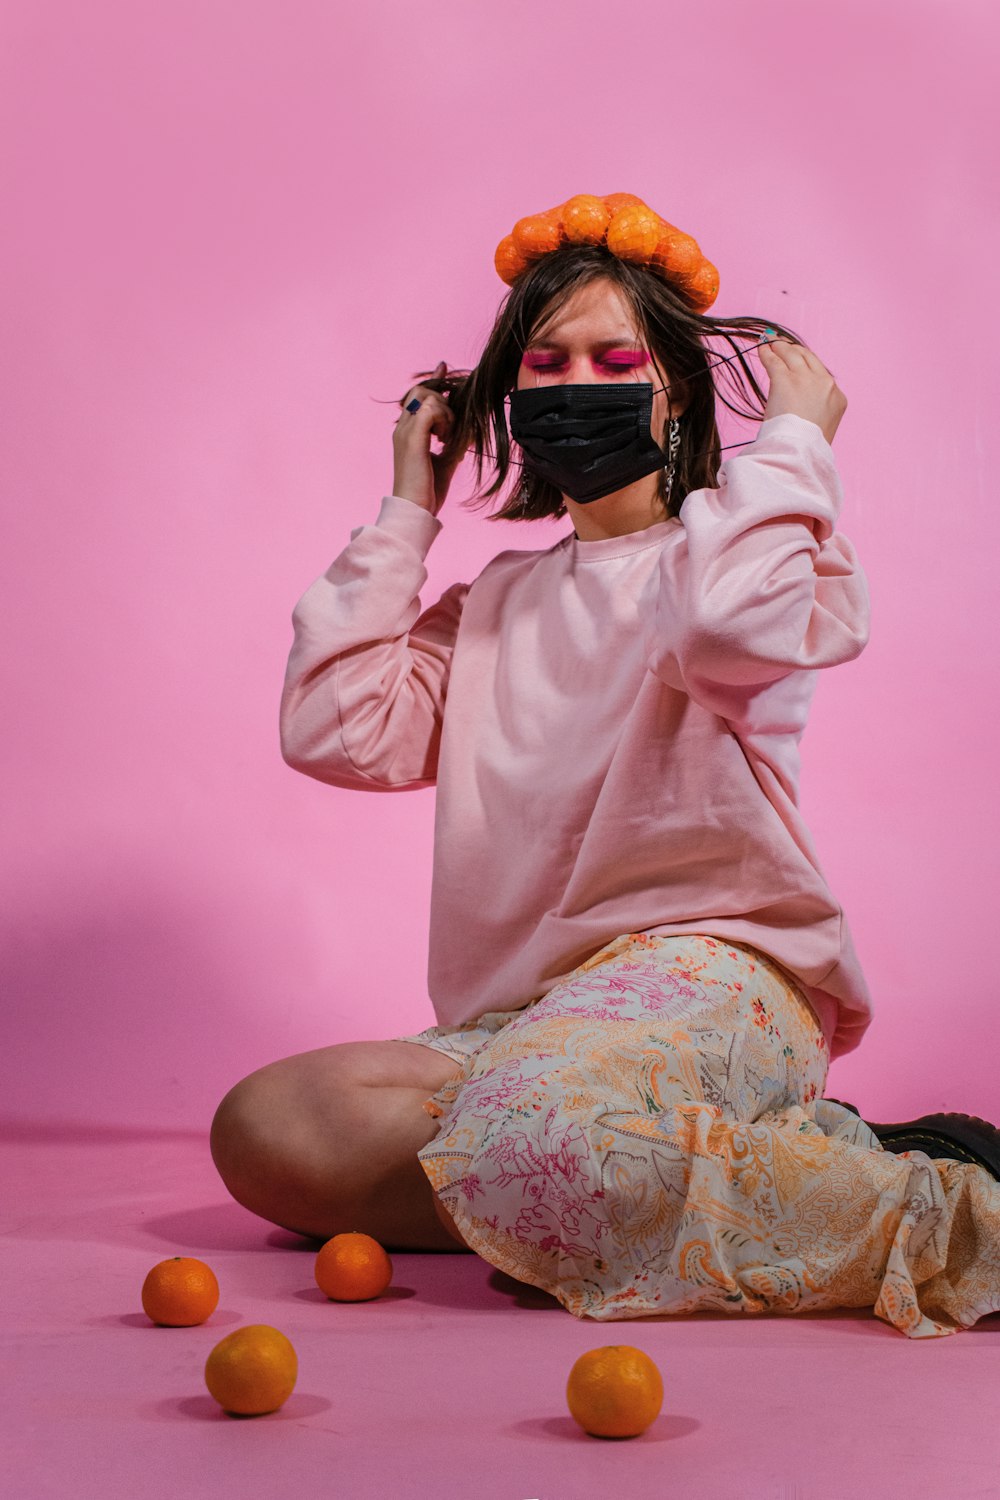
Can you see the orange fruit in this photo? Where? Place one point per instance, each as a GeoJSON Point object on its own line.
{"type": "Point", "coordinates": [537, 234]}
{"type": "Point", "coordinates": [509, 261]}
{"type": "Point", "coordinates": [614, 201]}
{"type": "Point", "coordinates": [678, 254]}
{"type": "Point", "coordinates": [614, 1391]}
{"type": "Point", "coordinates": [634, 232]}
{"type": "Point", "coordinates": [252, 1371]}
{"type": "Point", "coordinates": [353, 1267]}
{"type": "Point", "coordinates": [585, 219]}
{"type": "Point", "coordinates": [180, 1292]}
{"type": "Point", "coordinates": [703, 287]}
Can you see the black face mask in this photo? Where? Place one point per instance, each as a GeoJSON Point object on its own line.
{"type": "Point", "coordinates": [587, 440]}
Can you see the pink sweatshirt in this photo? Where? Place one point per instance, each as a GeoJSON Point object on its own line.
{"type": "Point", "coordinates": [613, 727]}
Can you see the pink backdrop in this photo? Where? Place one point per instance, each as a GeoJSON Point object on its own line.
{"type": "Point", "coordinates": [230, 231]}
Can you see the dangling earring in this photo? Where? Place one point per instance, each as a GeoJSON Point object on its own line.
{"type": "Point", "coordinates": [671, 465]}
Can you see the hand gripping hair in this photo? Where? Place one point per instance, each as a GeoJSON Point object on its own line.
{"type": "Point", "coordinates": [623, 224]}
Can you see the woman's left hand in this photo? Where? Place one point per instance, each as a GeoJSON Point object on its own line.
{"type": "Point", "coordinates": [801, 384]}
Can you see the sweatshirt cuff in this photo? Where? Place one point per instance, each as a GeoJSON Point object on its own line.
{"type": "Point", "coordinates": [406, 519]}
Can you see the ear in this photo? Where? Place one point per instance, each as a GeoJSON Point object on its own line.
{"type": "Point", "coordinates": [675, 394]}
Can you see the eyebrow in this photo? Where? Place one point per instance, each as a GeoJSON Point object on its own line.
{"type": "Point", "coordinates": [628, 338]}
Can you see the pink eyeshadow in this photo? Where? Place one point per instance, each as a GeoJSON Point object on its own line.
{"type": "Point", "coordinates": [620, 361]}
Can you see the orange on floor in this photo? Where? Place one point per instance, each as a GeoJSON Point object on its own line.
{"type": "Point", "coordinates": [614, 1391]}
{"type": "Point", "coordinates": [252, 1371]}
{"type": "Point", "coordinates": [353, 1267]}
{"type": "Point", "coordinates": [180, 1292]}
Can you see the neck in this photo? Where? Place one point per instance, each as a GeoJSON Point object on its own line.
{"type": "Point", "coordinates": [626, 510]}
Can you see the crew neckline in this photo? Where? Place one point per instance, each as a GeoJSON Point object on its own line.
{"type": "Point", "coordinates": [603, 547]}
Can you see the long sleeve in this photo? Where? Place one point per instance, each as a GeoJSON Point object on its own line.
{"type": "Point", "coordinates": [760, 584]}
{"type": "Point", "coordinates": [363, 699]}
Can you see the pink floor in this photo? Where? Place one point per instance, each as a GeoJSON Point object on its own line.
{"type": "Point", "coordinates": [449, 1387]}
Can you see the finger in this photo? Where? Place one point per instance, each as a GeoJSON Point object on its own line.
{"type": "Point", "coordinates": [430, 401]}
{"type": "Point", "coordinates": [435, 416]}
{"type": "Point", "coordinates": [784, 352]}
{"type": "Point", "coordinates": [423, 391]}
{"type": "Point", "coordinates": [808, 361]}
{"type": "Point", "coordinates": [817, 364]}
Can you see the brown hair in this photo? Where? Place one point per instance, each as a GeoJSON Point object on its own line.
{"type": "Point", "coordinates": [673, 332]}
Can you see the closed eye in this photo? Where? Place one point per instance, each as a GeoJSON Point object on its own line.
{"type": "Point", "coordinates": [620, 363]}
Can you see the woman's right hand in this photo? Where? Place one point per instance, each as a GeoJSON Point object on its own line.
{"type": "Point", "coordinates": [418, 474]}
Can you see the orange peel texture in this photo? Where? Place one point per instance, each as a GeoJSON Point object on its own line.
{"type": "Point", "coordinates": [677, 254]}
{"type": "Point", "coordinates": [703, 286]}
{"type": "Point", "coordinates": [536, 235]}
{"type": "Point", "coordinates": [634, 233]}
{"type": "Point", "coordinates": [585, 219]}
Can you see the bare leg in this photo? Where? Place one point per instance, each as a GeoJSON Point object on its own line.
{"type": "Point", "coordinates": [327, 1141]}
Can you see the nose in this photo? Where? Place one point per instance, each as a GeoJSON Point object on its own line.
{"type": "Point", "coordinates": [578, 371]}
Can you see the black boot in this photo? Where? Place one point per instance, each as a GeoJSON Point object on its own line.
{"type": "Point", "coordinates": [957, 1137]}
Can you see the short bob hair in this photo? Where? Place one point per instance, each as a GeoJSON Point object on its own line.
{"type": "Point", "coordinates": [673, 332]}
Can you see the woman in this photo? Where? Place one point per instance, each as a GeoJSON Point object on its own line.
{"type": "Point", "coordinates": [638, 970]}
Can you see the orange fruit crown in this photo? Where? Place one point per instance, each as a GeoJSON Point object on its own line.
{"type": "Point", "coordinates": [627, 226]}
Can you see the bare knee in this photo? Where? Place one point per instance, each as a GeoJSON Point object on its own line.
{"type": "Point", "coordinates": [251, 1141]}
{"type": "Point", "coordinates": [309, 1144]}
{"type": "Point", "coordinates": [288, 1124]}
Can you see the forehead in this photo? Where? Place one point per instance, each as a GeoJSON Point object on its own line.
{"type": "Point", "coordinates": [594, 311]}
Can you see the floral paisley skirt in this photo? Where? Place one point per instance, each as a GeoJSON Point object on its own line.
{"type": "Point", "coordinates": [649, 1137]}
